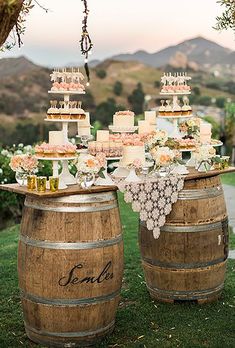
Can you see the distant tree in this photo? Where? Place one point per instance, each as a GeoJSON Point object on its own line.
{"type": "Point", "coordinates": [97, 125]}
{"type": "Point", "coordinates": [89, 101]}
{"type": "Point", "coordinates": [136, 99]}
{"type": "Point", "coordinates": [204, 100]}
{"type": "Point", "coordinates": [156, 84]}
{"type": "Point", "coordinates": [105, 110]}
{"type": "Point", "coordinates": [118, 88]}
{"type": "Point", "coordinates": [196, 91]}
{"type": "Point", "coordinates": [213, 85]}
{"type": "Point", "coordinates": [220, 102]}
{"type": "Point", "coordinates": [101, 73]}
{"type": "Point", "coordinates": [230, 123]}
{"type": "Point", "coordinates": [230, 87]}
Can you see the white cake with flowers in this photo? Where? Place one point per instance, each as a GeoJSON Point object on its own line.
{"type": "Point", "coordinates": [133, 151]}
{"type": "Point", "coordinates": [124, 119]}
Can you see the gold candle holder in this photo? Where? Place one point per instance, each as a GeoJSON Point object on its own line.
{"type": "Point", "coordinates": [31, 182]}
{"type": "Point", "coordinates": [54, 183]}
{"type": "Point", "coordinates": [41, 183]}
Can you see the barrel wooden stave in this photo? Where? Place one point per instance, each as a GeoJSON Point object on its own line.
{"type": "Point", "coordinates": [199, 211]}
{"type": "Point", "coordinates": [45, 279]}
{"type": "Point", "coordinates": [188, 261]}
{"type": "Point", "coordinates": [70, 266]}
{"type": "Point", "coordinates": [185, 252]}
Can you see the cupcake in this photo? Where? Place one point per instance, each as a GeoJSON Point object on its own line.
{"type": "Point", "coordinates": [168, 110]}
{"type": "Point", "coordinates": [176, 110]}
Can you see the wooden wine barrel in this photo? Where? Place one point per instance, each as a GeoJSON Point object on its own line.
{"type": "Point", "coordinates": [70, 266]}
{"type": "Point", "coordinates": [188, 261]}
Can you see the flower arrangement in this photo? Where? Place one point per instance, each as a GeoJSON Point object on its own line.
{"type": "Point", "coordinates": [158, 137]}
{"type": "Point", "coordinates": [204, 155]}
{"type": "Point", "coordinates": [163, 156]}
{"type": "Point", "coordinates": [24, 163]}
{"type": "Point", "coordinates": [190, 127]}
{"type": "Point", "coordinates": [88, 167]}
{"type": "Point", "coordinates": [136, 164]}
{"type": "Point", "coordinates": [88, 164]}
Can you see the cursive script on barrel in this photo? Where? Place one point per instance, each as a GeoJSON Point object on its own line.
{"type": "Point", "coordinates": [73, 277]}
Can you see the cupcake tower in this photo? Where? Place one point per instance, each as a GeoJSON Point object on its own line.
{"type": "Point", "coordinates": [175, 86]}
{"type": "Point", "coordinates": [65, 82]}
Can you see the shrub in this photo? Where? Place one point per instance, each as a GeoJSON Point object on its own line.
{"type": "Point", "coordinates": [101, 73]}
{"type": "Point", "coordinates": [118, 88]}
{"type": "Point", "coordinates": [136, 99]}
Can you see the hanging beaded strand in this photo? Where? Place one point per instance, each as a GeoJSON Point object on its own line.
{"type": "Point", "coordinates": [85, 42]}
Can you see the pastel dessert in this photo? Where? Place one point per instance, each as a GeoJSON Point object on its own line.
{"type": "Point", "coordinates": [123, 119]}
{"type": "Point", "coordinates": [54, 151]}
{"type": "Point", "coordinates": [110, 148]}
{"type": "Point", "coordinates": [67, 80]}
{"type": "Point", "coordinates": [132, 152]}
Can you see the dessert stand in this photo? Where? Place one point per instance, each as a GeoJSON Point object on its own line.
{"type": "Point", "coordinates": [66, 178]}
{"type": "Point", "coordinates": [175, 133]}
{"type": "Point", "coordinates": [106, 181]}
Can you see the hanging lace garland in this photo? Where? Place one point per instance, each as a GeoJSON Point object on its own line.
{"type": "Point", "coordinates": [153, 199]}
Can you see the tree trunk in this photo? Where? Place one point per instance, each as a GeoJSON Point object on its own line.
{"type": "Point", "coordinates": [9, 13]}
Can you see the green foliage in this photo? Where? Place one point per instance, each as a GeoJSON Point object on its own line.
{"type": "Point", "coordinates": [204, 100]}
{"type": "Point", "coordinates": [136, 99]}
{"type": "Point", "coordinates": [196, 91]}
{"type": "Point", "coordinates": [230, 87]}
{"type": "Point", "coordinates": [220, 102]}
{"type": "Point", "coordinates": [215, 126]}
{"type": "Point", "coordinates": [88, 101]}
{"type": "Point", "coordinates": [105, 110]}
{"type": "Point", "coordinates": [213, 85]}
{"type": "Point", "coordinates": [157, 84]}
{"type": "Point", "coordinates": [118, 88]}
{"type": "Point", "coordinates": [96, 126]}
{"type": "Point", "coordinates": [227, 18]}
{"type": "Point", "coordinates": [25, 132]}
{"type": "Point", "coordinates": [230, 123]}
{"type": "Point", "coordinates": [101, 73]}
{"type": "Point", "coordinates": [10, 203]}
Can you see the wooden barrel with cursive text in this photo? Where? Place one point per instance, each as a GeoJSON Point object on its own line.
{"type": "Point", "coordinates": [188, 261]}
{"type": "Point", "coordinates": [70, 266]}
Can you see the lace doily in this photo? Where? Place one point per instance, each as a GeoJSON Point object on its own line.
{"type": "Point", "coordinates": [153, 199]}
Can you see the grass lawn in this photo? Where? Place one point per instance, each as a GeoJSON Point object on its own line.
{"type": "Point", "coordinates": [228, 179]}
{"type": "Point", "coordinates": [140, 323]}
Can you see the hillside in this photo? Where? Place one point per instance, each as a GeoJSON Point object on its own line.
{"type": "Point", "coordinates": [23, 89]}
{"type": "Point", "coordinates": [10, 67]}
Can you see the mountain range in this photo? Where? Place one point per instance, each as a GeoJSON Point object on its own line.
{"type": "Point", "coordinates": [197, 53]}
{"type": "Point", "coordinates": [24, 85]}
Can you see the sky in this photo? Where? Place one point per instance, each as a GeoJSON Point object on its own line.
{"type": "Point", "coordinates": [116, 26]}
